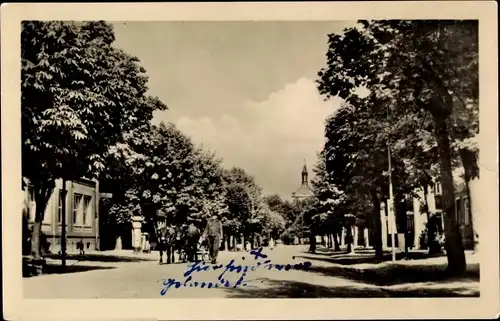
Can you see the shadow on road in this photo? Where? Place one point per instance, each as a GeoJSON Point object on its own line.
{"type": "Point", "coordinates": [100, 258]}
{"type": "Point", "coordinates": [294, 289]}
{"type": "Point", "coordinates": [58, 269]}
{"type": "Point", "coordinates": [363, 257]}
{"type": "Point", "coordinates": [393, 274]}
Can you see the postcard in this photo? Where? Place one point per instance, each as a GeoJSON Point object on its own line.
{"type": "Point", "coordinates": [274, 160]}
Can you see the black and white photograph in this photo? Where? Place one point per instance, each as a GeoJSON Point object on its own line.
{"type": "Point", "coordinates": [250, 158]}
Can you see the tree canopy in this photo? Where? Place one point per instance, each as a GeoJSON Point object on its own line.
{"type": "Point", "coordinates": [79, 95]}
{"type": "Point", "coordinates": [410, 69]}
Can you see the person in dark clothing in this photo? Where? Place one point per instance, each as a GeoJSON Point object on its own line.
{"type": "Point", "coordinates": [213, 235]}
{"type": "Point", "coordinates": [192, 236]}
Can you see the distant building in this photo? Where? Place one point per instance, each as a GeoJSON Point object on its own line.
{"type": "Point", "coordinates": [82, 214]}
{"type": "Point", "coordinates": [304, 190]}
{"type": "Point", "coordinates": [416, 216]}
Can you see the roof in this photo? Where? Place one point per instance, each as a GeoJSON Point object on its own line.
{"type": "Point", "coordinates": [303, 191]}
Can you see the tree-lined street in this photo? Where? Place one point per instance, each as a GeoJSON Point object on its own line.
{"type": "Point", "coordinates": [328, 276]}
{"type": "Point", "coordinates": [407, 123]}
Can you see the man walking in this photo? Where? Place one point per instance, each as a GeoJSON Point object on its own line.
{"type": "Point", "coordinates": [213, 235]}
{"type": "Point", "coordinates": [192, 235]}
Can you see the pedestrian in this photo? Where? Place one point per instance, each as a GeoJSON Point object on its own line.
{"type": "Point", "coordinates": [192, 236]}
{"type": "Point", "coordinates": [213, 235]}
{"type": "Point", "coordinates": [271, 243]}
{"type": "Point", "coordinates": [80, 247]}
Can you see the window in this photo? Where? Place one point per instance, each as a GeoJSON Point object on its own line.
{"type": "Point", "coordinates": [87, 213]}
{"type": "Point", "coordinates": [31, 194]}
{"type": "Point", "coordinates": [61, 200]}
{"type": "Point", "coordinates": [437, 189]}
{"type": "Point", "coordinates": [409, 204]}
{"type": "Point", "coordinates": [438, 202]}
{"type": "Point", "coordinates": [31, 203]}
{"type": "Point", "coordinates": [77, 202]}
{"type": "Point", "coordinates": [439, 223]}
{"type": "Point", "coordinates": [458, 211]}
{"type": "Point", "coordinates": [466, 212]}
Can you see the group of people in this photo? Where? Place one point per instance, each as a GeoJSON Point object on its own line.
{"type": "Point", "coordinates": [187, 238]}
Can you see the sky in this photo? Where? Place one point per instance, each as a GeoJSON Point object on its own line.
{"type": "Point", "coordinates": [245, 90]}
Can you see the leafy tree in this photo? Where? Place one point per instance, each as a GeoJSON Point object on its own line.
{"type": "Point", "coordinates": [426, 64]}
{"type": "Point", "coordinates": [275, 224]}
{"type": "Point", "coordinates": [79, 94]}
{"type": "Point", "coordinates": [173, 177]}
{"type": "Point", "coordinates": [356, 159]}
{"type": "Point", "coordinates": [249, 220]}
{"type": "Point", "coordinates": [330, 198]}
{"type": "Point", "coordinates": [210, 181]}
{"type": "Point", "coordinates": [283, 207]}
{"type": "Point", "coordinates": [239, 207]}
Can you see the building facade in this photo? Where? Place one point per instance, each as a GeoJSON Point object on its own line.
{"type": "Point", "coordinates": [82, 214]}
{"type": "Point", "coordinates": [417, 217]}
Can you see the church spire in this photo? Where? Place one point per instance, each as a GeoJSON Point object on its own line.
{"type": "Point", "coordinates": [304, 190]}
{"type": "Point", "coordinates": [304, 173]}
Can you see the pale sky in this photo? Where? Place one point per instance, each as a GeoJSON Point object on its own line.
{"type": "Point", "coordinates": [243, 89]}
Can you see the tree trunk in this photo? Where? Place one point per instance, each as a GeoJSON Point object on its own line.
{"type": "Point", "coordinates": [453, 245]}
{"type": "Point", "coordinates": [402, 220]}
{"type": "Point", "coordinates": [43, 191]}
{"type": "Point", "coordinates": [336, 241]}
{"type": "Point", "coordinates": [349, 239]}
{"type": "Point", "coordinates": [426, 192]}
{"type": "Point", "coordinates": [377, 228]}
{"type": "Point", "coordinates": [427, 212]}
{"type": "Point", "coordinates": [312, 242]}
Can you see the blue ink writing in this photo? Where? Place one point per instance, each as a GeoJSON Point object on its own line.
{"type": "Point", "coordinates": [230, 267]}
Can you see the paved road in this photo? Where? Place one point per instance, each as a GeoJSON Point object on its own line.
{"type": "Point", "coordinates": [145, 280]}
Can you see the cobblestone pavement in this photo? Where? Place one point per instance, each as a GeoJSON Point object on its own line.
{"type": "Point", "coordinates": [144, 279]}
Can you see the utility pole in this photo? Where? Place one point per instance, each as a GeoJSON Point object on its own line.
{"type": "Point", "coordinates": [63, 224]}
{"type": "Point", "coordinates": [390, 209]}
{"type": "Point", "coordinates": [390, 203]}
{"type": "Point", "coordinates": [302, 230]}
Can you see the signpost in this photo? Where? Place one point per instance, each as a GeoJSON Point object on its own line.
{"type": "Point", "coordinates": [105, 195]}
{"type": "Point", "coordinates": [390, 203]}
{"type": "Point", "coordinates": [63, 223]}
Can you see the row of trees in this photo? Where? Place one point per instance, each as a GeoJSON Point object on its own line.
{"type": "Point", "coordinates": [159, 174]}
{"type": "Point", "coordinates": [420, 80]}
{"type": "Point", "coordinates": [86, 113]}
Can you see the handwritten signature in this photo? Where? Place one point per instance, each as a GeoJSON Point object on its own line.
{"type": "Point", "coordinates": [194, 267]}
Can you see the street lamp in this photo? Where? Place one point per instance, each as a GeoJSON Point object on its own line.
{"type": "Point", "coordinates": [302, 230]}
{"type": "Point", "coordinates": [390, 209]}
{"type": "Point", "coordinates": [390, 204]}
{"type": "Point", "coordinates": [63, 223]}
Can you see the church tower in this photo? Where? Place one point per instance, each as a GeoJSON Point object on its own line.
{"type": "Point", "coordinates": [304, 174]}
{"type": "Point", "coordinates": [304, 190]}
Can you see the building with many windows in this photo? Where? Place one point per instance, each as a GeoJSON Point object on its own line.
{"type": "Point", "coordinates": [82, 214]}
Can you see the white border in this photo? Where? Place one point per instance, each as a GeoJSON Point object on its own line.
{"type": "Point", "coordinates": [15, 307]}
